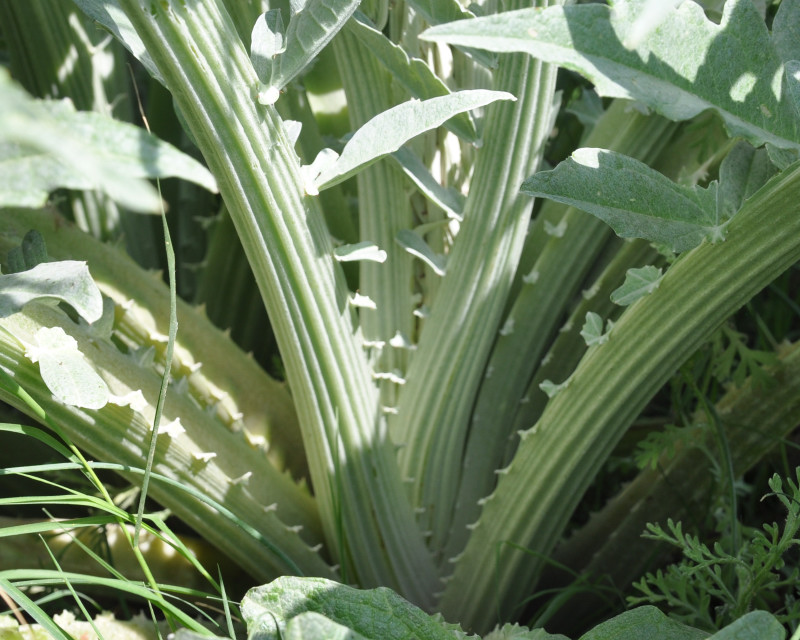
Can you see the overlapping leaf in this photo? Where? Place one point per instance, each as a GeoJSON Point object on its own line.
{"type": "Point", "coordinates": [46, 145]}
{"type": "Point", "coordinates": [68, 281]}
{"type": "Point", "coordinates": [414, 74]}
{"type": "Point", "coordinates": [638, 283]}
{"type": "Point", "coordinates": [635, 200]}
{"type": "Point", "coordinates": [389, 130]}
{"type": "Point", "coordinates": [686, 65]}
{"type": "Point", "coordinates": [279, 57]}
{"type": "Point", "coordinates": [377, 614]}
{"type": "Point", "coordinates": [109, 14]}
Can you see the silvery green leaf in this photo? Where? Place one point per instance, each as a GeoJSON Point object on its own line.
{"type": "Point", "coordinates": [46, 145]}
{"type": "Point", "coordinates": [687, 64]}
{"type": "Point", "coordinates": [652, 14]}
{"type": "Point", "coordinates": [266, 42]}
{"type": "Point", "coordinates": [638, 283]}
{"type": "Point", "coordinates": [293, 129]}
{"type": "Point", "coordinates": [378, 614]}
{"type": "Point", "coordinates": [782, 158]}
{"type": "Point", "coordinates": [784, 31]}
{"type": "Point", "coordinates": [443, 11]}
{"type": "Point", "coordinates": [592, 331]}
{"type": "Point", "coordinates": [65, 371]}
{"type": "Point", "coordinates": [516, 632]}
{"type": "Point", "coordinates": [587, 108]}
{"type": "Point", "coordinates": [418, 248]}
{"type": "Point", "coordinates": [31, 252]}
{"type": "Point", "coordinates": [635, 200]}
{"type": "Point", "coordinates": [743, 172]}
{"type": "Point", "coordinates": [448, 199]}
{"type": "Point", "coordinates": [109, 14]}
{"type": "Point", "coordinates": [414, 74]}
{"type": "Point", "coordinates": [296, 6]}
{"type": "Point", "coordinates": [440, 11]}
{"type": "Point", "coordinates": [359, 251]}
{"type": "Point", "coordinates": [389, 130]}
{"type": "Point", "coordinates": [324, 160]}
{"type": "Point", "coordinates": [793, 82]}
{"type": "Point", "coordinates": [644, 622]}
{"type": "Point", "coordinates": [313, 24]}
{"type": "Point", "coordinates": [135, 152]}
{"type": "Point", "coordinates": [314, 626]}
{"type": "Point", "coordinates": [755, 624]}
{"type": "Point", "coordinates": [68, 281]}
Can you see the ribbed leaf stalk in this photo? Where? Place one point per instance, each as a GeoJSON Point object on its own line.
{"type": "Point", "coordinates": [533, 319]}
{"type": "Point", "coordinates": [757, 417]}
{"type": "Point", "coordinates": [367, 521]}
{"type": "Point", "coordinates": [384, 209]}
{"type": "Point", "coordinates": [558, 457]}
{"type": "Point", "coordinates": [436, 403]}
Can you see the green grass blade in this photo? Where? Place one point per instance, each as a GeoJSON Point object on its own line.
{"type": "Point", "coordinates": [34, 610]}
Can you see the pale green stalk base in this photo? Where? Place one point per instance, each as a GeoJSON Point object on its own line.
{"type": "Point", "coordinates": [564, 260]}
{"type": "Point", "coordinates": [356, 481]}
{"type": "Point", "coordinates": [384, 210]}
{"type": "Point", "coordinates": [444, 375]}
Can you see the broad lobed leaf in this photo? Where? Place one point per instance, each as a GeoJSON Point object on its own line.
{"type": "Point", "coordinates": [377, 614]}
{"type": "Point", "coordinates": [68, 281]}
{"type": "Point", "coordinates": [635, 200]}
{"type": "Point", "coordinates": [686, 65]}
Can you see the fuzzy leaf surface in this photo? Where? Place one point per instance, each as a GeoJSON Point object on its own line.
{"type": "Point", "coordinates": [310, 29]}
{"type": "Point", "coordinates": [68, 281]}
{"type": "Point", "coordinates": [418, 248]}
{"type": "Point", "coordinates": [67, 374]}
{"type": "Point", "coordinates": [440, 11]}
{"type": "Point", "coordinates": [756, 624]}
{"type": "Point", "coordinates": [643, 623]}
{"type": "Point", "coordinates": [314, 626]}
{"type": "Point", "coordinates": [448, 198]}
{"type": "Point", "coordinates": [360, 251]}
{"type": "Point", "coordinates": [686, 65]}
{"type": "Point", "coordinates": [444, 11]}
{"type": "Point", "coordinates": [46, 145]}
{"type": "Point", "coordinates": [592, 331]}
{"type": "Point", "coordinates": [389, 130]}
{"type": "Point", "coordinates": [638, 283]}
{"type": "Point", "coordinates": [516, 632]}
{"type": "Point", "coordinates": [377, 614]}
{"type": "Point", "coordinates": [635, 200]}
{"type": "Point", "coordinates": [743, 172]}
{"type": "Point", "coordinates": [414, 74]}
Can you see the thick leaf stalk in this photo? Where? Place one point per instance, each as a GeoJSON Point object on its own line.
{"type": "Point", "coordinates": [569, 252]}
{"type": "Point", "coordinates": [436, 403]}
{"type": "Point", "coordinates": [558, 457]}
{"type": "Point", "coordinates": [205, 445]}
{"type": "Point", "coordinates": [384, 209]}
{"type": "Point", "coordinates": [367, 519]}
{"type": "Point", "coordinates": [757, 417]}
